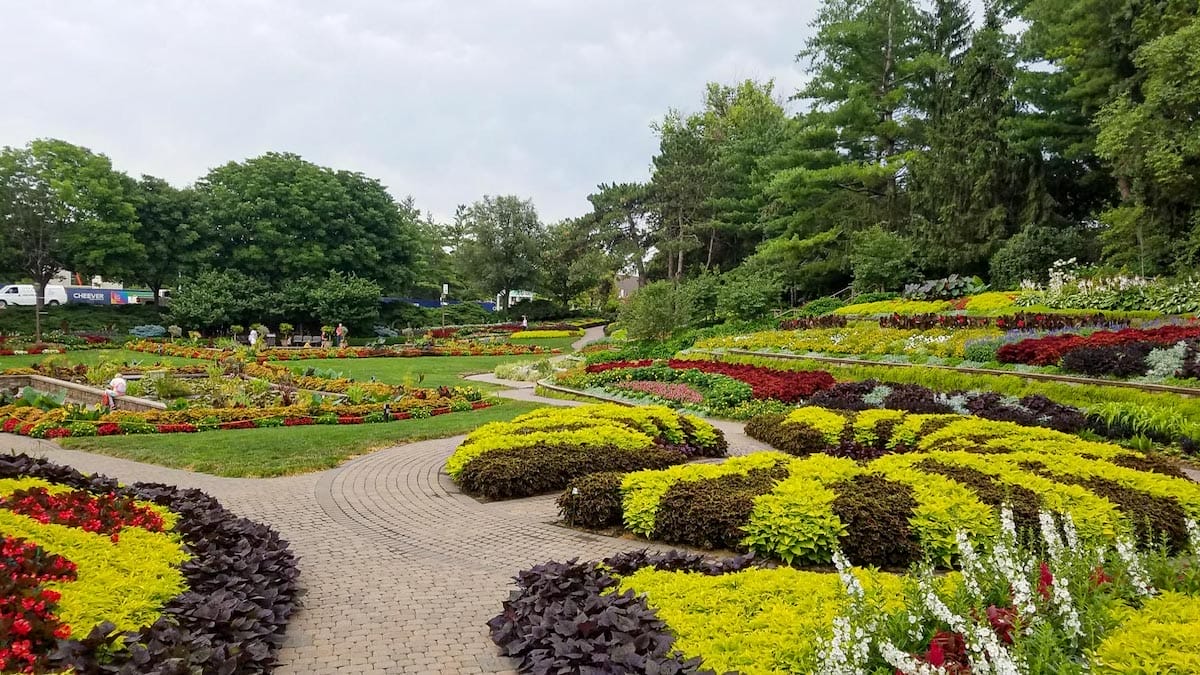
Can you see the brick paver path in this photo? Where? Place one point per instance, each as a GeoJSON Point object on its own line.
{"type": "Point", "coordinates": [401, 570]}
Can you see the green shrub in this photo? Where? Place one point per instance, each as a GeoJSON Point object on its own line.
{"type": "Point", "coordinates": [821, 306]}
{"type": "Point", "coordinates": [592, 501]}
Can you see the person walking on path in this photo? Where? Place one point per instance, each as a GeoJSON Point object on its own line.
{"type": "Point", "coordinates": [524, 322]}
{"type": "Point", "coordinates": [341, 332]}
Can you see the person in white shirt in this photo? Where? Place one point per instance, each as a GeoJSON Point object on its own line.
{"type": "Point", "coordinates": [116, 389]}
{"type": "Point", "coordinates": [253, 337]}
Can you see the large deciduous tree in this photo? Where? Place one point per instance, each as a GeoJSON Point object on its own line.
{"type": "Point", "coordinates": [63, 206]}
{"type": "Point", "coordinates": [499, 245]}
{"type": "Point", "coordinates": [279, 217]}
{"type": "Point", "coordinates": [168, 230]}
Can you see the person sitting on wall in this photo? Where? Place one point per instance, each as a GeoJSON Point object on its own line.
{"type": "Point", "coordinates": [116, 389]}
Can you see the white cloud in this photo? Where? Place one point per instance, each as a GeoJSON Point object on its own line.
{"type": "Point", "coordinates": [445, 101]}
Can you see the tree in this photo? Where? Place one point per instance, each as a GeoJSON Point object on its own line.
{"type": "Point", "coordinates": [63, 207]}
{"type": "Point", "coordinates": [655, 311]}
{"type": "Point", "coordinates": [570, 263]}
{"type": "Point", "coordinates": [499, 247]}
{"type": "Point", "coordinates": [1152, 143]}
{"type": "Point", "coordinates": [280, 217]}
{"type": "Point", "coordinates": [35, 223]}
{"type": "Point", "coordinates": [103, 240]}
{"type": "Point", "coordinates": [680, 188]}
{"type": "Point", "coordinates": [620, 220]}
{"type": "Point", "coordinates": [966, 187]}
{"type": "Point", "coordinates": [168, 230]}
{"type": "Point", "coordinates": [865, 57]}
{"type": "Point", "coordinates": [881, 260]}
{"type": "Point", "coordinates": [743, 124]}
{"type": "Point", "coordinates": [345, 298]}
{"type": "Point", "coordinates": [218, 299]}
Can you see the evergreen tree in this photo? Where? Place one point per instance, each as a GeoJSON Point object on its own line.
{"type": "Point", "coordinates": [966, 189]}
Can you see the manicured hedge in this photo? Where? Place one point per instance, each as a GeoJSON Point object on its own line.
{"type": "Point", "coordinates": [240, 587]}
{"type": "Point", "coordinates": [544, 450]}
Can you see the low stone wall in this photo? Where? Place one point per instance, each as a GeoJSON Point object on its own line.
{"type": "Point", "coordinates": [76, 393]}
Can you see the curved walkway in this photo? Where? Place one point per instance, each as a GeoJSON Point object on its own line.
{"type": "Point", "coordinates": [401, 571]}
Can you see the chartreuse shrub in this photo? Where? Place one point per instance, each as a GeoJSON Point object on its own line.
{"type": "Point", "coordinates": [756, 621]}
{"type": "Point", "coordinates": [1160, 637]}
{"type": "Point", "coordinates": [547, 448]}
{"type": "Point", "coordinates": [795, 521]}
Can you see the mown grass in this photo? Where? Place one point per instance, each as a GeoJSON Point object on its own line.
{"type": "Point", "coordinates": [281, 451]}
{"type": "Point", "coordinates": [426, 371]}
{"type": "Point", "coordinates": [93, 356]}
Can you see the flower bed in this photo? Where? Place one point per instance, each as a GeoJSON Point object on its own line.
{"type": "Point", "coordinates": [891, 488]}
{"type": "Point", "coordinates": [897, 306]}
{"type": "Point", "coordinates": [1018, 321]}
{"type": "Point", "coordinates": [667, 391]}
{"type": "Point", "coordinates": [71, 421]}
{"type": "Point", "coordinates": [543, 450]}
{"type": "Point", "coordinates": [1015, 608]}
{"type": "Point", "coordinates": [1049, 350]}
{"type": "Point", "coordinates": [722, 388]}
{"type": "Point", "coordinates": [445, 349]}
{"type": "Point", "coordinates": [858, 339]}
{"type": "Point", "coordinates": [99, 577]}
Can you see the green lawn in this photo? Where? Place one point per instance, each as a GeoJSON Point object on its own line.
{"type": "Point", "coordinates": [281, 451]}
{"type": "Point", "coordinates": [92, 356]}
{"type": "Point", "coordinates": [431, 371]}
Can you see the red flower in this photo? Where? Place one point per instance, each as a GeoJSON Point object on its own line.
{"type": "Point", "coordinates": [1045, 581]}
{"type": "Point", "coordinates": [935, 656]}
{"type": "Point", "coordinates": [1099, 577]}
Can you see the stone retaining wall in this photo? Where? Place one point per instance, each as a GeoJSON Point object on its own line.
{"type": "Point", "coordinates": [76, 393]}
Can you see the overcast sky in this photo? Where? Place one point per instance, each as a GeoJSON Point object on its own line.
{"type": "Point", "coordinates": [445, 101]}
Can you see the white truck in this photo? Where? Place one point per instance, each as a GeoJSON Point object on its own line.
{"type": "Point", "coordinates": [24, 294]}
